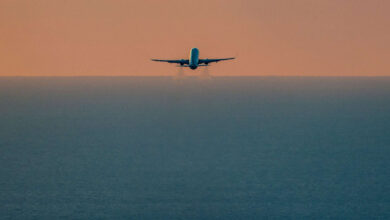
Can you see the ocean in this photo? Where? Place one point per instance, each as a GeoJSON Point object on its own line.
{"type": "Point", "coordinates": [190, 148]}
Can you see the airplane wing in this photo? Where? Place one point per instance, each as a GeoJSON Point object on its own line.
{"type": "Point", "coordinates": [207, 61]}
{"type": "Point", "coordinates": [181, 62]}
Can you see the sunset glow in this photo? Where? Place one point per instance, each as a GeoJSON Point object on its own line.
{"type": "Point", "coordinates": [268, 37]}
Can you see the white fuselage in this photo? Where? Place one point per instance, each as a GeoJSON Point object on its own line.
{"type": "Point", "coordinates": [194, 58]}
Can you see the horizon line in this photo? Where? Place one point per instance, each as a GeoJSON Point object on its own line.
{"type": "Point", "coordinates": [191, 75]}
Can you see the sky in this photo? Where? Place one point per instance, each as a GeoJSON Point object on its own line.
{"type": "Point", "coordinates": [268, 37]}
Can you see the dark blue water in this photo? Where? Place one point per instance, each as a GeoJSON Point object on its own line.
{"type": "Point", "coordinates": [227, 148]}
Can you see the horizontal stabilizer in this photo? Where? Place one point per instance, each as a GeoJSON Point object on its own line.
{"type": "Point", "coordinates": [189, 66]}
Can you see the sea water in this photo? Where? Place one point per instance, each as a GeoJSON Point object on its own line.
{"type": "Point", "coordinates": [222, 148]}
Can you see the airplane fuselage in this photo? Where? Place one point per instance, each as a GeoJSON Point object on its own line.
{"type": "Point", "coordinates": [194, 58]}
{"type": "Point", "coordinates": [193, 62]}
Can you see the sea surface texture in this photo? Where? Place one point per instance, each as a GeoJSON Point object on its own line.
{"type": "Point", "coordinates": [223, 148]}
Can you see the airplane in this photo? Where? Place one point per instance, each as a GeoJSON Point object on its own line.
{"type": "Point", "coordinates": [193, 62]}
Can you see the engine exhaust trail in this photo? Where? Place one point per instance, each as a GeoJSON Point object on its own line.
{"type": "Point", "coordinates": [179, 74]}
{"type": "Point", "coordinates": [205, 75]}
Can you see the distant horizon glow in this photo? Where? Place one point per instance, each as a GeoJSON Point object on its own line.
{"type": "Point", "coordinates": [267, 37]}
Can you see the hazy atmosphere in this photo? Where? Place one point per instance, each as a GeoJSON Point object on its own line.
{"type": "Point", "coordinates": [282, 110]}
{"type": "Point", "coordinates": [268, 37]}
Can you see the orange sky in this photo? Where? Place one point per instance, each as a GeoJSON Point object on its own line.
{"type": "Point", "coordinates": [268, 37]}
